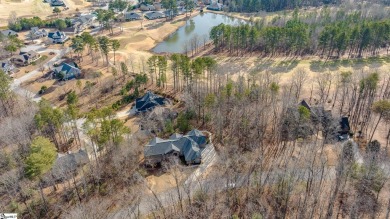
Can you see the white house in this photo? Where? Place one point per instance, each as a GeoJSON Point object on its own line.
{"type": "Point", "coordinates": [36, 33]}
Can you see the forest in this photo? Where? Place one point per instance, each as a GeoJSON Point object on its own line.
{"type": "Point", "coordinates": [278, 5]}
{"type": "Point", "coordinates": [348, 34]}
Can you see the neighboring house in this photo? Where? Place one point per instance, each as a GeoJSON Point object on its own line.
{"type": "Point", "coordinates": [36, 33]}
{"type": "Point", "coordinates": [215, 6]}
{"type": "Point", "coordinates": [67, 71]}
{"type": "Point", "coordinates": [170, 13]}
{"type": "Point", "coordinates": [295, 126]}
{"type": "Point", "coordinates": [154, 15]}
{"type": "Point", "coordinates": [130, 16]}
{"type": "Point", "coordinates": [7, 67]}
{"type": "Point", "coordinates": [57, 37]}
{"type": "Point", "coordinates": [25, 58]}
{"type": "Point", "coordinates": [65, 166]}
{"type": "Point", "coordinates": [146, 7]}
{"type": "Point", "coordinates": [8, 33]}
{"type": "Point", "coordinates": [83, 22]}
{"type": "Point", "coordinates": [157, 6]}
{"type": "Point", "coordinates": [189, 147]}
{"type": "Point", "coordinates": [148, 102]}
{"type": "Point", "coordinates": [57, 3]}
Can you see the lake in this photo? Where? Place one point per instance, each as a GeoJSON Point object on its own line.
{"type": "Point", "coordinates": [196, 29]}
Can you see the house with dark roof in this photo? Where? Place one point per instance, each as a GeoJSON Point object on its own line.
{"type": "Point", "coordinates": [146, 7]}
{"type": "Point", "coordinates": [67, 71]}
{"type": "Point", "coordinates": [130, 16]}
{"type": "Point", "coordinates": [148, 102]}
{"type": "Point", "coordinates": [57, 37]}
{"type": "Point", "coordinates": [25, 58]}
{"type": "Point", "coordinates": [36, 33]}
{"type": "Point", "coordinates": [7, 67]}
{"type": "Point", "coordinates": [54, 3]}
{"type": "Point", "coordinates": [9, 33]}
{"type": "Point", "coordinates": [65, 166]}
{"type": "Point", "coordinates": [154, 15]}
{"type": "Point", "coordinates": [189, 147]}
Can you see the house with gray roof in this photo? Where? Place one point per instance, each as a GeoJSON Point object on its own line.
{"type": "Point", "coordinates": [57, 37]}
{"type": "Point", "coordinates": [36, 33]}
{"type": "Point", "coordinates": [148, 102]}
{"type": "Point", "coordinates": [154, 15]}
{"type": "Point", "coordinates": [7, 67]}
{"type": "Point", "coordinates": [67, 71]}
{"type": "Point", "coordinates": [146, 7]}
{"type": "Point", "coordinates": [131, 16]}
{"type": "Point", "coordinates": [83, 22]}
{"type": "Point", "coordinates": [177, 145]}
{"type": "Point", "coordinates": [25, 58]}
{"type": "Point", "coordinates": [66, 165]}
{"type": "Point", "coordinates": [9, 33]}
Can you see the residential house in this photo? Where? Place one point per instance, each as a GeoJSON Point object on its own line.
{"type": "Point", "coordinates": [296, 125]}
{"type": "Point", "coordinates": [215, 6]}
{"type": "Point", "coordinates": [83, 22]}
{"type": "Point", "coordinates": [7, 67]}
{"type": "Point", "coordinates": [146, 7]}
{"type": "Point", "coordinates": [65, 166]}
{"type": "Point", "coordinates": [157, 6]}
{"type": "Point", "coordinates": [154, 15]}
{"type": "Point", "coordinates": [148, 102]}
{"type": "Point", "coordinates": [67, 71]}
{"type": "Point", "coordinates": [57, 37]}
{"type": "Point", "coordinates": [36, 33]}
{"type": "Point", "coordinates": [9, 33]}
{"type": "Point", "coordinates": [130, 16]}
{"type": "Point", "coordinates": [189, 147]}
{"type": "Point", "coordinates": [25, 58]}
{"type": "Point", "coordinates": [55, 3]}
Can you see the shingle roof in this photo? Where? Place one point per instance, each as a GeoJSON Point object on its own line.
{"type": "Point", "coordinates": [67, 68]}
{"type": "Point", "coordinates": [69, 162]}
{"type": "Point", "coordinates": [148, 101]}
{"type": "Point", "coordinates": [186, 145]}
{"type": "Point", "coordinates": [9, 33]}
{"type": "Point", "coordinates": [197, 136]}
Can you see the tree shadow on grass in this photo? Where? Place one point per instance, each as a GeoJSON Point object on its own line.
{"type": "Point", "coordinates": [334, 65]}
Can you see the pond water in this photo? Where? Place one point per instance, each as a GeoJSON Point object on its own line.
{"type": "Point", "coordinates": [195, 31]}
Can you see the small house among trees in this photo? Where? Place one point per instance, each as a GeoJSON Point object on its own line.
{"type": "Point", "coordinates": [189, 147]}
{"type": "Point", "coordinates": [8, 33]}
{"type": "Point", "coordinates": [130, 16]}
{"type": "Point", "coordinates": [66, 165]}
{"type": "Point", "coordinates": [67, 71]}
{"type": "Point", "coordinates": [154, 15]}
{"type": "Point", "coordinates": [148, 102]}
{"type": "Point", "coordinates": [304, 120]}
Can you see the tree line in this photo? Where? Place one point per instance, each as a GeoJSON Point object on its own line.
{"type": "Point", "coordinates": [273, 5]}
{"type": "Point", "coordinates": [296, 37]}
{"type": "Point", "coordinates": [20, 24]}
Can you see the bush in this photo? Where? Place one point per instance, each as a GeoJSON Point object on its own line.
{"type": "Point", "coordinates": [42, 90]}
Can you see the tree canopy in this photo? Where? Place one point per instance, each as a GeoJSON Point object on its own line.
{"type": "Point", "coordinates": [42, 156]}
